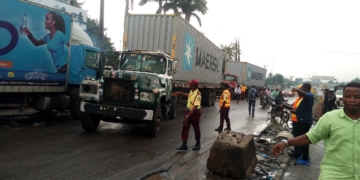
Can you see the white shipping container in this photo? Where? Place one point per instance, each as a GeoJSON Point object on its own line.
{"type": "Point", "coordinates": [247, 73]}
{"type": "Point", "coordinates": [198, 57]}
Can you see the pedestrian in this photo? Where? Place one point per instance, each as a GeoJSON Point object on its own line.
{"type": "Point", "coordinates": [237, 92]}
{"type": "Point", "coordinates": [251, 99]}
{"type": "Point", "coordinates": [243, 89]}
{"type": "Point", "coordinates": [326, 96]}
{"type": "Point", "coordinates": [192, 116]}
{"type": "Point", "coordinates": [275, 93]}
{"type": "Point", "coordinates": [331, 99]}
{"type": "Point", "coordinates": [305, 120]}
{"type": "Point", "coordinates": [340, 131]}
{"type": "Point", "coordinates": [297, 152]}
{"type": "Point", "coordinates": [224, 109]}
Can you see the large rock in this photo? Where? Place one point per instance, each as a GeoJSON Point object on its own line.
{"type": "Point", "coordinates": [232, 156]}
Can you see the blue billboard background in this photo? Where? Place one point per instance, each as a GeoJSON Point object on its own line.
{"type": "Point", "coordinates": [21, 61]}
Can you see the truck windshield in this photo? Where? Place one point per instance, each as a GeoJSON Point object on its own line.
{"type": "Point", "coordinates": [228, 78]}
{"type": "Point", "coordinates": [143, 62]}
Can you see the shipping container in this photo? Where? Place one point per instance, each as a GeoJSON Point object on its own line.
{"type": "Point", "coordinates": [198, 57]}
{"type": "Point", "coordinates": [247, 73]}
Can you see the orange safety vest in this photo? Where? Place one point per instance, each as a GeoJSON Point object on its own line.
{"type": "Point", "coordinates": [221, 100]}
{"type": "Point", "coordinates": [295, 105]}
{"type": "Point", "coordinates": [243, 88]}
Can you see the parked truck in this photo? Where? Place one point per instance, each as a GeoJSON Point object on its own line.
{"type": "Point", "coordinates": [243, 73]}
{"type": "Point", "coordinates": [162, 53]}
{"type": "Point", "coordinates": [42, 69]}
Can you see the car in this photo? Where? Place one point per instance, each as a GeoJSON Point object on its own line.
{"type": "Point", "coordinates": [339, 96]}
{"type": "Point", "coordinates": [288, 93]}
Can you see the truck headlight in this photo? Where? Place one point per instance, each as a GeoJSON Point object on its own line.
{"type": "Point", "coordinates": [146, 96]}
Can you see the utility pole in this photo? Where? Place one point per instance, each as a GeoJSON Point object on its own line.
{"type": "Point", "coordinates": [101, 25]}
{"type": "Point", "coordinates": [237, 51]}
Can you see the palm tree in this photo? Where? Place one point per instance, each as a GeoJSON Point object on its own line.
{"type": "Point", "coordinates": [188, 8]}
{"type": "Point", "coordinates": [160, 2]}
{"type": "Point", "coordinates": [131, 3]}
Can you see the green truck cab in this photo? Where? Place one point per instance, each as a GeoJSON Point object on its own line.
{"type": "Point", "coordinates": [139, 92]}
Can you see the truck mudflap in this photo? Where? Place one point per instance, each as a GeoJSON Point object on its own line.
{"type": "Point", "coordinates": [114, 111]}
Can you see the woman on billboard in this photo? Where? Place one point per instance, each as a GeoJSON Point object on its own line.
{"type": "Point", "coordinates": [55, 40]}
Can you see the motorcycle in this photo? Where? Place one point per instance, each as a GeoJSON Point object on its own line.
{"type": "Point", "coordinates": [265, 101]}
{"type": "Point", "coordinates": [281, 111]}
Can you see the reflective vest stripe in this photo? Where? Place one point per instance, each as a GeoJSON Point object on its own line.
{"type": "Point", "coordinates": [295, 105]}
{"type": "Point", "coordinates": [221, 100]}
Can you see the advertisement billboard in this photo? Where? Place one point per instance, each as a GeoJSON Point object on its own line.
{"type": "Point", "coordinates": [80, 15]}
{"type": "Point", "coordinates": [34, 45]}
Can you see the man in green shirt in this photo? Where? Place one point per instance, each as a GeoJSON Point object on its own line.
{"type": "Point", "coordinates": [340, 130]}
{"type": "Point", "coordinates": [275, 93]}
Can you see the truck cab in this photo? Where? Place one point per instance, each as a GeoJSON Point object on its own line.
{"type": "Point", "coordinates": [231, 80]}
{"type": "Point", "coordinates": [138, 92]}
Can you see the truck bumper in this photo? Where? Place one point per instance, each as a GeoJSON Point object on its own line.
{"type": "Point", "coordinates": [114, 111]}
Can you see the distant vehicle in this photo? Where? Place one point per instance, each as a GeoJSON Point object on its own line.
{"type": "Point", "coordinates": [339, 96]}
{"type": "Point", "coordinates": [288, 93]}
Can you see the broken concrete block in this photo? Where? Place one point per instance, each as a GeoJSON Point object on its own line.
{"type": "Point", "coordinates": [232, 156]}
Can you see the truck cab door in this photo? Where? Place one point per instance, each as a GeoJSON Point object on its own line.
{"type": "Point", "coordinates": [91, 63]}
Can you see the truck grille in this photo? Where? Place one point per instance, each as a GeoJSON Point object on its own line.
{"type": "Point", "coordinates": [118, 91]}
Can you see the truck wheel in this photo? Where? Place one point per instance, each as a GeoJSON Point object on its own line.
{"type": "Point", "coordinates": [90, 122]}
{"type": "Point", "coordinates": [206, 99]}
{"type": "Point", "coordinates": [213, 98]}
{"type": "Point", "coordinates": [154, 125]}
{"type": "Point", "coordinates": [173, 106]}
{"type": "Point", "coordinates": [75, 101]}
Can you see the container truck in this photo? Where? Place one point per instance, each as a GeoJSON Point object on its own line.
{"type": "Point", "coordinates": [243, 73]}
{"type": "Point", "coordinates": [162, 53]}
{"type": "Point", "coordinates": [42, 63]}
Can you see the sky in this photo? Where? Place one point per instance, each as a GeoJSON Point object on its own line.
{"type": "Point", "coordinates": [290, 37]}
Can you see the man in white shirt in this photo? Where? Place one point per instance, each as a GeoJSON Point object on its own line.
{"type": "Point", "coordinates": [237, 92]}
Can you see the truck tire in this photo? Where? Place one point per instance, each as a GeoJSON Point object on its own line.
{"type": "Point", "coordinates": [173, 106]}
{"type": "Point", "coordinates": [206, 99]}
{"type": "Point", "coordinates": [90, 122]}
{"type": "Point", "coordinates": [75, 101]}
{"type": "Point", "coordinates": [213, 98]}
{"type": "Point", "coordinates": [154, 125]}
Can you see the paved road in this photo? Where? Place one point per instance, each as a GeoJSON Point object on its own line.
{"type": "Point", "coordinates": [117, 151]}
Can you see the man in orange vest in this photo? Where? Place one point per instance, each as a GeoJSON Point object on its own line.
{"type": "Point", "coordinates": [243, 90]}
{"type": "Point", "coordinates": [297, 149]}
{"type": "Point", "coordinates": [225, 99]}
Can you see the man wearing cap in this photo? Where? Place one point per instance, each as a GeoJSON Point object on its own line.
{"type": "Point", "coordinates": [251, 99]}
{"type": "Point", "coordinates": [192, 116]}
{"type": "Point", "coordinates": [224, 108]}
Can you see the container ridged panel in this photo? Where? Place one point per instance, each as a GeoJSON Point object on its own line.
{"type": "Point", "coordinates": [156, 32]}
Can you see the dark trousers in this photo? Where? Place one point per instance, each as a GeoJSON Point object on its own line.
{"type": "Point", "coordinates": [242, 94]}
{"type": "Point", "coordinates": [237, 97]}
{"type": "Point", "coordinates": [301, 128]}
{"type": "Point", "coordinates": [194, 120]}
{"type": "Point", "coordinates": [224, 115]}
{"type": "Point", "coordinates": [252, 106]}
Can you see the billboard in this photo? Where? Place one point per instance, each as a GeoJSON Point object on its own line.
{"type": "Point", "coordinates": [80, 15]}
{"type": "Point", "coordinates": [34, 45]}
{"type": "Point", "coordinates": [327, 78]}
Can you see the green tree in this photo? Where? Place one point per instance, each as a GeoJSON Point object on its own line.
{"type": "Point", "coordinates": [160, 2]}
{"type": "Point", "coordinates": [229, 52]}
{"type": "Point", "coordinates": [270, 75]}
{"type": "Point", "coordinates": [187, 8]}
{"type": "Point", "coordinates": [356, 80]}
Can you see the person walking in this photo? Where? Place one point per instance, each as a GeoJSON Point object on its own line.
{"type": "Point", "coordinates": [237, 92]}
{"type": "Point", "coordinates": [243, 90]}
{"type": "Point", "coordinates": [340, 131]}
{"type": "Point", "coordinates": [224, 108]}
{"type": "Point", "coordinates": [251, 99]}
{"type": "Point", "coordinates": [326, 102]}
{"type": "Point", "coordinates": [192, 116]}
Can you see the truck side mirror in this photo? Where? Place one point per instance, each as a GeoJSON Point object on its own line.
{"type": "Point", "coordinates": [175, 67]}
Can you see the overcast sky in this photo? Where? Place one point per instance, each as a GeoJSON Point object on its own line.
{"type": "Point", "coordinates": [298, 38]}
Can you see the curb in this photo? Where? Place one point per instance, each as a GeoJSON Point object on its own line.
{"type": "Point", "coordinates": [283, 167]}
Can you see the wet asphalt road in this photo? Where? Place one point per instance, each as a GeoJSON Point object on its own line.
{"type": "Point", "coordinates": [62, 150]}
